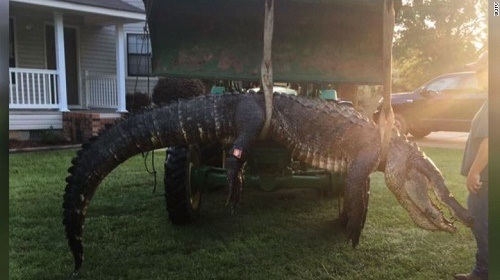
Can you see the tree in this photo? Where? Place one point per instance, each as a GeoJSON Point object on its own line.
{"type": "Point", "coordinates": [434, 37]}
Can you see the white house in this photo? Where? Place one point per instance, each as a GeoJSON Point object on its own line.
{"type": "Point", "coordinates": [72, 60]}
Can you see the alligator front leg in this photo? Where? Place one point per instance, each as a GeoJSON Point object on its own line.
{"type": "Point", "coordinates": [234, 165]}
{"type": "Point", "coordinates": [249, 119]}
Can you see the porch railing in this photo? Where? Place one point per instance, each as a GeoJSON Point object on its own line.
{"type": "Point", "coordinates": [101, 91]}
{"type": "Point", "coordinates": [33, 89]}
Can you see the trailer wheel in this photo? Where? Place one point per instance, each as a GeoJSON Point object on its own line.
{"type": "Point", "coordinates": [182, 197]}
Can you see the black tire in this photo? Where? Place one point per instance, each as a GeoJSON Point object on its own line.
{"type": "Point", "coordinates": [183, 199]}
{"type": "Point", "coordinates": [401, 124]}
{"type": "Point", "coordinates": [419, 133]}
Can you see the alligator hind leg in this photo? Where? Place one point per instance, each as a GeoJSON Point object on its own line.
{"type": "Point", "coordinates": [343, 219]}
{"type": "Point", "coordinates": [356, 196]}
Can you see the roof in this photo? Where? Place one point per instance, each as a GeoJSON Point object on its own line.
{"type": "Point", "coordinates": [110, 4]}
{"type": "Point", "coordinates": [93, 11]}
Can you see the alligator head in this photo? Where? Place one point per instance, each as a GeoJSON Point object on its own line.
{"type": "Point", "coordinates": [417, 183]}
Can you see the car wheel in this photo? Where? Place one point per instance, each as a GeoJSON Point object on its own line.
{"type": "Point", "coordinates": [419, 133]}
{"type": "Point", "coordinates": [401, 124]}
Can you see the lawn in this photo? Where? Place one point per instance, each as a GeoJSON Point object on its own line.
{"type": "Point", "coordinates": [286, 234]}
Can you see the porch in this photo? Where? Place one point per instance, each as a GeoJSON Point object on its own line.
{"type": "Point", "coordinates": [67, 58]}
{"type": "Point", "coordinates": [34, 103]}
{"type": "Point", "coordinates": [36, 89]}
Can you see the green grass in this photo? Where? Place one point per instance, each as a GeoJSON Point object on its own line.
{"type": "Point", "coordinates": [288, 234]}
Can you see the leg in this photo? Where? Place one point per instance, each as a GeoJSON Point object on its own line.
{"type": "Point", "coordinates": [356, 208]}
{"type": "Point", "coordinates": [249, 119]}
{"type": "Point", "coordinates": [357, 194]}
{"type": "Point", "coordinates": [478, 205]}
{"type": "Point", "coordinates": [234, 165]}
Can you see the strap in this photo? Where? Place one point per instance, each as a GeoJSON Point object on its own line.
{"type": "Point", "coordinates": [266, 68]}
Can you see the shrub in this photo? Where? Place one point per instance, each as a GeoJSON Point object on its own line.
{"type": "Point", "coordinates": [52, 136]}
{"type": "Point", "coordinates": [171, 89]}
{"type": "Point", "coordinates": [137, 101]}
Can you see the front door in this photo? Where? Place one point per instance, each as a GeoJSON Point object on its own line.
{"type": "Point", "coordinates": [71, 57]}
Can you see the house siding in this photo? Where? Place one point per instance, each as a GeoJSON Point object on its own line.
{"type": "Point", "coordinates": [22, 120]}
{"type": "Point", "coordinates": [132, 81]}
{"type": "Point", "coordinates": [97, 49]}
{"type": "Point", "coordinates": [30, 41]}
{"type": "Point", "coordinates": [98, 55]}
{"type": "Point", "coordinates": [30, 37]}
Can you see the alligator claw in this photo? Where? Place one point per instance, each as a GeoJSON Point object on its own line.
{"type": "Point", "coordinates": [234, 195]}
{"type": "Point", "coordinates": [74, 275]}
{"type": "Point", "coordinates": [235, 181]}
{"type": "Point", "coordinates": [353, 232]}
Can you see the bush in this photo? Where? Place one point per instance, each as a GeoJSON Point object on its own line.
{"type": "Point", "coordinates": [52, 136]}
{"type": "Point", "coordinates": [171, 89]}
{"type": "Point", "coordinates": [136, 101]}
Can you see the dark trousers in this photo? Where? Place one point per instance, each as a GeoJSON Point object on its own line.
{"type": "Point", "coordinates": [478, 205]}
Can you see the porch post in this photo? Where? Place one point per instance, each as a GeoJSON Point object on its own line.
{"type": "Point", "coordinates": [120, 68]}
{"type": "Point", "coordinates": [60, 61]}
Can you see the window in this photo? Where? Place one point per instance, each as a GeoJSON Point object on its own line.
{"type": "Point", "coordinates": [469, 82]}
{"type": "Point", "coordinates": [458, 82]}
{"type": "Point", "coordinates": [445, 83]}
{"type": "Point", "coordinates": [12, 49]}
{"type": "Point", "coordinates": [138, 55]}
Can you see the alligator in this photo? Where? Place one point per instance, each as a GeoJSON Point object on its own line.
{"type": "Point", "coordinates": [323, 134]}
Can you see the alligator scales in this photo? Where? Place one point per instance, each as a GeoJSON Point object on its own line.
{"type": "Point", "coordinates": [324, 134]}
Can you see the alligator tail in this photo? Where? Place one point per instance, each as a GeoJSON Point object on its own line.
{"type": "Point", "coordinates": [184, 122]}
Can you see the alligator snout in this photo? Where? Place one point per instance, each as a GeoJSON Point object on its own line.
{"type": "Point", "coordinates": [420, 188]}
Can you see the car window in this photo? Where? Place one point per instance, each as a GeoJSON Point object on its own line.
{"type": "Point", "coordinates": [469, 82]}
{"type": "Point", "coordinates": [453, 83]}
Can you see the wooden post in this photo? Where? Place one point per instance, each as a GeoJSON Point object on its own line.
{"type": "Point", "coordinates": [266, 68]}
{"type": "Point", "coordinates": [87, 90]}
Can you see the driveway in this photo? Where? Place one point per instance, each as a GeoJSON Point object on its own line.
{"type": "Point", "coordinates": [441, 139]}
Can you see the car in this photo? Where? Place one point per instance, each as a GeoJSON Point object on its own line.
{"type": "Point", "coordinates": [445, 103]}
{"type": "Point", "coordinates": [278, 89]}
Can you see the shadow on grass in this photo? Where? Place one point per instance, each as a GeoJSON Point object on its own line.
{"type": "Point", "coordinates": [284, 224]}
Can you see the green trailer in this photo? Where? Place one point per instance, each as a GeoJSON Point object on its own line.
{"type": "Point", "coordinates": [288, 41]}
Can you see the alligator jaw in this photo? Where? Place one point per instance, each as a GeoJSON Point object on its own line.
{"type": "Point", "coordinates": [416, 182]}
{"type": "Point", "coordinates": [414, 196]}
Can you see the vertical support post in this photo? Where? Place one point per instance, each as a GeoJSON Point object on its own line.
{"type": "Point", "coordinates": [386, 119]}
{"type": "Point", "coordinates": [266, 67]}
{"type": "Point", "coordinates": [87, 89]}
{"type": "Point", "coordinates": [60, 61]}
{"type": "Point", "coordinates": [120, 68]}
